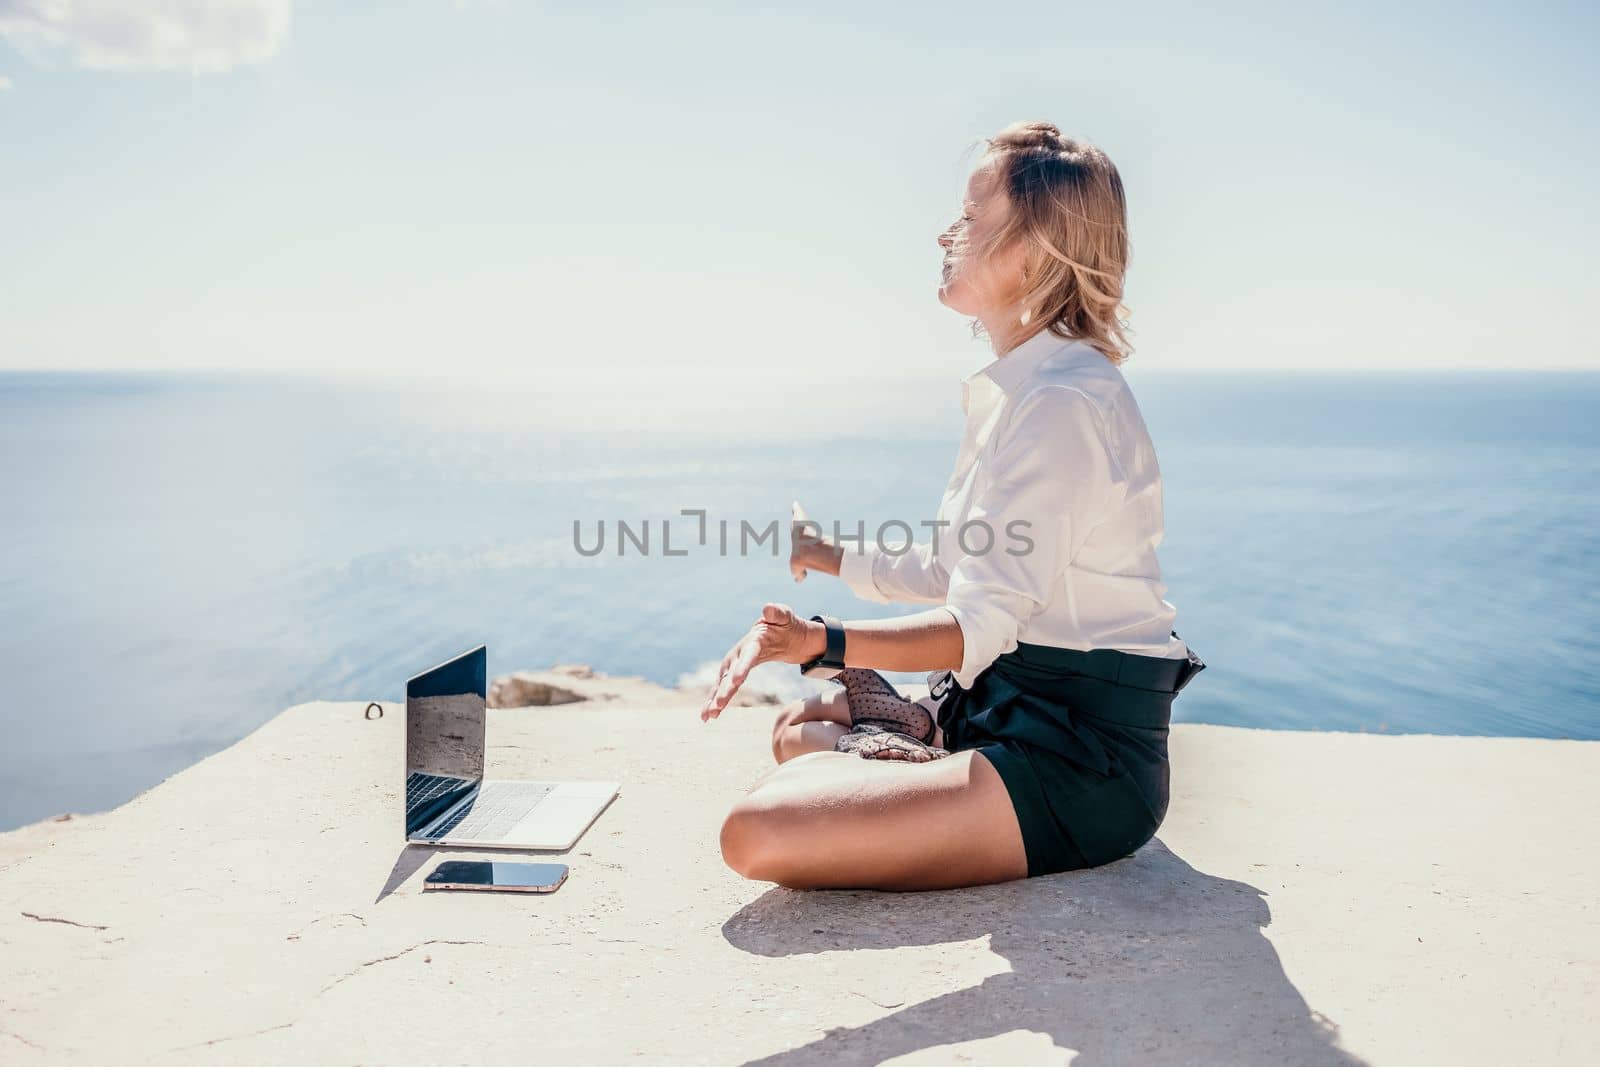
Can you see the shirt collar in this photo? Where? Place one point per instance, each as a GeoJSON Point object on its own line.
{"type": "Point", "coordinates": [1013, 368]}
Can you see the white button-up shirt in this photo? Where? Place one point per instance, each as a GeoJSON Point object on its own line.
{"type": "Point", "coordinates": [1054, 515]}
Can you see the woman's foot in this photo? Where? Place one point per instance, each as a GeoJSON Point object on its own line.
{"type": "Point", "coordinates": [873, 700]}
{"type": "Point", "coordinates": [884, 724]}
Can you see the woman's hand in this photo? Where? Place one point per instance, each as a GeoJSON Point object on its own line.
{"type": "Point", "coordinates": [778, 635]}
{"type": "Point", "coordinates": [808, 549]}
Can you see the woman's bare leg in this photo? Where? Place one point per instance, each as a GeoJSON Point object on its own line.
{"type": "Point", "coordinates": [828, 820]}
{"type": "Point", "coordinates": [815, 724]}
{"type": "Point", "coordinates": [810, 725]}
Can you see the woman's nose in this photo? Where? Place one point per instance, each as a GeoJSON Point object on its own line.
{"type": "Point", "coordinates": [946, 240]}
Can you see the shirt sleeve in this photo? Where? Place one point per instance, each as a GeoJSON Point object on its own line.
{"type": "Point", "coordinates": [1050, 480]}
{"type": "Point", "coordinates": [913, 576]}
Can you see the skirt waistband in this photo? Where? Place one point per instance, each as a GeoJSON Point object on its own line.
{"type": "Point", "coordinates": [1107, 664]}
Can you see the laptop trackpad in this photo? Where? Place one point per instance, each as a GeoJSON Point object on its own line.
{"type": "Point", "coordinates": [557, 821]}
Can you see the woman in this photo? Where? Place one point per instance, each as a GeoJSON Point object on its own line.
{"type": "Point", "coordinates": [1054, 658]}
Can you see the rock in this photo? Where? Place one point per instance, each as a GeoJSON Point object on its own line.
{"type": "Point", "coordinates": [744, 698]}
{"type": "Point", "coordinates": [526, 689]}
{"type": "Point", "coordinates": [575, 670]}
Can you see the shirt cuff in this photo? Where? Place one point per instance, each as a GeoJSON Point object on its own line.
{"type": "Point", "coordinates": [970, 668]}
{"type": "Point", "coordinates": [980, 645]}
{"type": "Point", "coordinates": [855, 570]}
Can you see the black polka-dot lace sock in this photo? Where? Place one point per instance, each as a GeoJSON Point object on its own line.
{"type": "Point", "coordinates": [884, 724]}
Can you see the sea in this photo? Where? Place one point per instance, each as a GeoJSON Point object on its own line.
{"type": "Point", "coordinates": [182, 556]}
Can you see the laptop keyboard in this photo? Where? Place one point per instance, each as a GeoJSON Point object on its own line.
{"type": "Point", "coordinates": [494, 811]}
{"type": "Point", "coordinates": [421, 788]}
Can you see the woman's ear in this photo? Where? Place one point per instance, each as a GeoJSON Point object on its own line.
{"type": "Point", "coordinates": [1014, 264]}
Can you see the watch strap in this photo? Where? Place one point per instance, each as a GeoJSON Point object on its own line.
{"type": "Point", "coordinates": [831, 662]}
{"type": "Point", "coordinates": [833, 653]}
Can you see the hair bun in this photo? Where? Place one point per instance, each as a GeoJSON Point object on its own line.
{"type": "Point", "coordinates": [1033, 135]}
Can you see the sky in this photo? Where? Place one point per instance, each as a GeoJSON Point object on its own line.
{"type": "Point", "coordinates": [504, 191]}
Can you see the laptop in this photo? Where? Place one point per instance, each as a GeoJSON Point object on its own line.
{"type": "Point", "coordinates": [448, 800]}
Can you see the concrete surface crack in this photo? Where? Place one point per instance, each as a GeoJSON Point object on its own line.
{"type": "Point", "coordinates": [325, 918]}
{"type": "Point", "coordinates": [235, 1037]}
{"type": "Point", "coordinates": [386, 959]}
{"type": "Point", "coordinates": [19, 1037]}
{"type": "Point", "coordinates": [875, 1000]}
{"type": "Point", "coordinates": [63, 922]}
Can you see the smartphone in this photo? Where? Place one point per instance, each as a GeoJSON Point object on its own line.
{"type": "Point", "coordinates": [497, 877]}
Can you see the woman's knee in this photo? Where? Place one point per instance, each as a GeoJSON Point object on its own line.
{"type": "Point", "coordinates": [780, 830]}
{"type": "Point", "coordinates": [747, 839]}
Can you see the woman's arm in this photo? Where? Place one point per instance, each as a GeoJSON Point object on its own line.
{"type": "Point", "coordinates": [808, 554]}
{"type": "Point", "coordinates": [927, 641]}
{"type": "Point", "coordinates": [910, 576]}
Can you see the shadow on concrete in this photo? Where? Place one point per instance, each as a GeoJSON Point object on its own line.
{"type": "Point", "coordinates": [406, 864]}
{"type": "Point", "coordinates": [1145, 960]}
{"type": "Point", "coordinates": [413, 858]}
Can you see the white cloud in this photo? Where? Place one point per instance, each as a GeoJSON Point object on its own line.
{"type": "Point", "coordinates": [203, 36]}
{"type": "Point", "coordinates": [5, 83]}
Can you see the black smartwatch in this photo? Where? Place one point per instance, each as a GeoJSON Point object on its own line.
{"type": "Point", "coordinates": [831, 662]}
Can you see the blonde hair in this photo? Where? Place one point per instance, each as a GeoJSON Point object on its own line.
{"type": "Point", "coordinates": [1069, 212]}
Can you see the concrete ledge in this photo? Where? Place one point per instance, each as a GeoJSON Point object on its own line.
{"type": "Point", "coordinates": [1312, 898]}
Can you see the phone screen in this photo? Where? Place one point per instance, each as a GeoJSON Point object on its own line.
{"type": "Point", "coordinates": [484, 874]}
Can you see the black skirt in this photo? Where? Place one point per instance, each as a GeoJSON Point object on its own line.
{"type": "Point", "coordinates": [1080, 740]}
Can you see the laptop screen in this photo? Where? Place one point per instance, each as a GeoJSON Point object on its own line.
{"type": "Point", "coordinates": [444, 736]}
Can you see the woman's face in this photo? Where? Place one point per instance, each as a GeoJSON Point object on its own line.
{"type": "Point", "coordinates": [980, 288]}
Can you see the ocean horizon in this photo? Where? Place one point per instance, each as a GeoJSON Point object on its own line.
{"type": "Point", "coordinates": [187, 554]}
